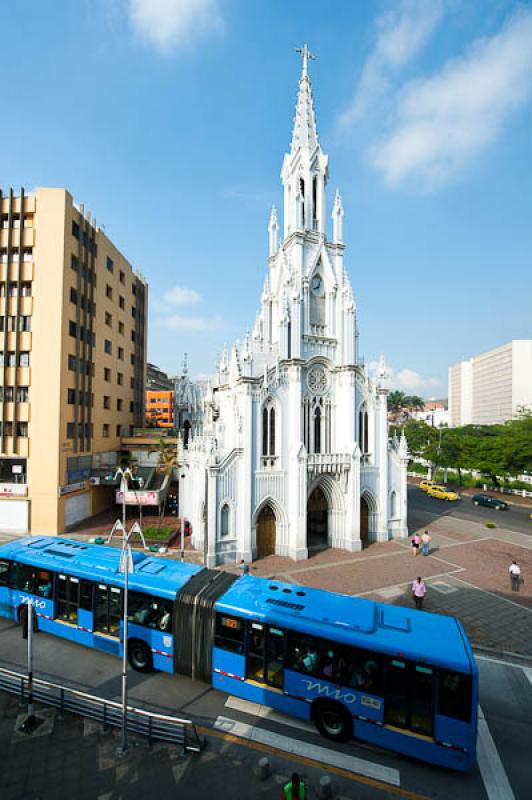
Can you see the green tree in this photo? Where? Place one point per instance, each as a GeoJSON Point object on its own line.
{"type": "Point", "coordinates": [396, 400]}
{"type": "Point", "coordinates": [166, 464]}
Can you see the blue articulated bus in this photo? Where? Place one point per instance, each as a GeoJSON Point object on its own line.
{"type": "Point", "coordinates": [402, 679]}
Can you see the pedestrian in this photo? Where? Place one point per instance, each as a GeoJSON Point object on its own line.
{"type": "Point", "coordinates": [243, 567]}
{"type": "Point", "coordinates": [425, 540]}
{"type": "Point", "coordinates": [294, 789]}
{"type": "Point", "coordinates": [515, 576]}
{"type": "Point", "coordinates": [416, 541]}
{"type": "Point", "coordinates": [419, 591]}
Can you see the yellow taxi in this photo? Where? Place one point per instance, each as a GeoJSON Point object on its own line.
{"type": "Point", "coordinates": [442, 493]}
{"type": "Point", "coordinates": [425, 484]}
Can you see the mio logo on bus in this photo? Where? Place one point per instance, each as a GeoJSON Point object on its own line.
{"type": "Point", "coordinates": [32, 601]}
{"type": "Point", "coordinates": [339, 694]}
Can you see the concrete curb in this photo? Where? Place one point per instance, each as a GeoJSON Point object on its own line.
{"type": "Point", "coordinates": [504, 655]}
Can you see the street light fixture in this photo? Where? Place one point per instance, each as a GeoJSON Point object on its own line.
{"type": "Point", "coordinates": [126, 565]}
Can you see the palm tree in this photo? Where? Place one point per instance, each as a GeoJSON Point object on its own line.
{"type": "Point", "coordinates": [166, 464]}
{"type": "Point", "coordinates": [128, 460]}
{"type": "Point", "coordinates": [396, 400]}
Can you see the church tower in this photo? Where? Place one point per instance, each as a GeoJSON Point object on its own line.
{"type": "Point", "coordinates": [293, 453]}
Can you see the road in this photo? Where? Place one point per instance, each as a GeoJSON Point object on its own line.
{"type": "Point", "coordinates": [359, 771]}
{"type": "Point", "coordinates": [422, 510]}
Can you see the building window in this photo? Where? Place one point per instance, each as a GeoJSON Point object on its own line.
{"type": "Point", "coordinates": [119, 405]}
{"type": "Point", "coordinates": [74, 263]}
{"type": "Point", "coordinates": [75, 230]}
{"type": "Point", "coordinates": [317, 430]}
{"type": "Point", "coordinates": [23, 394]}
{"type": "Point", "coordinates": [71, 396]}
{"type": "Point", "coordinates": [106, 374]}
{"type": "Point", "coordinates": [268, 431]}
{"type": "Point", "coordinates": [133, 336]}
{"type": "Point", "coordinates": [105, 431]}
{"type": "Point", "coordinates": [134, 312]}
{"type": "Point", "coordinates": [25, 289]}
{"type": "Point", "coordinates": [109, 264]}
{"type": "Point", "coordinates": [121, 353]}
{"type": "Point", "coordinates": [363, 430]}
{"type": "Point", "coordinates": [120, 379]}
{"type": "Point", "coordinates": [121, 328]}
{"type": "Point", "coordinates": [72, 329]}
{"type": "Point", "coordinates": [108, 292]}
{"type": "Point", "coordinates": [108, 319]}
{"type": "Point", "coordinates": [119, 430]}
{"type": "Point", "coordinates": [6, 394]}
{"type": "Point", "coordinates": [393, 504]}
{"type": "Point", "coordinates": [225, 519]}
{"type": "Point", "coordinates": [73, 296]}
{"type": "Point", "coordinates": [132, 359]}
{"type": "Point", "coordinates": [27, 254]}
{"type": "Point", "coordinates": [70, 430]}
{"type": "Point", "coordinates": [121, 302]}
{"type": "Point", "coordinates": [122, 277]}
{"type": "Point", "coordinates": [22, 430]}
{"type": "Point", "coordinates": [24, 359]}
{"type": "Point", "coordinates": [132, 406]}
{"type": "Point", "coordinates": [106, 401]}
{"type": "Point", "coordinates": [108, 347]}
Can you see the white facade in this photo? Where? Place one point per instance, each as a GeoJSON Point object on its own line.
{"type": "Point", "coordinates": [293, 451]}
{"type": "Point", "coordinates": [490, 388]}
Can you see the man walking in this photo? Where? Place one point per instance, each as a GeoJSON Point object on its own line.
{"type": "Point", "coordinates": [515, 576]}
{"type": "Point", "coordinates": [419, 591]}
{"type": "Point", "coordinates": [425, 543]}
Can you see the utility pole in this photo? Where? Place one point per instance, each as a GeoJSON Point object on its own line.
{"type": "Point", "coordinates": [31, 723]}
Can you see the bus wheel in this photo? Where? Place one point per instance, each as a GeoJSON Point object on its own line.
{"type": "Point", "coordinates": [140, 656]}
{"type": "Point", "coordinates": [333, 721]}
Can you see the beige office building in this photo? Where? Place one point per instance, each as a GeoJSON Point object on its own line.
{"type": "Point", "coordinates": [72, 360]}
{"type": "Point", "coordinates": [490, 388]}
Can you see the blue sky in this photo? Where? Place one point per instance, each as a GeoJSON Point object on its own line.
{"type": "Point", "coordinates": [169, 120]}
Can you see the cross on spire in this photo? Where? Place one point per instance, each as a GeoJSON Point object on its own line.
{"type": "Point", "coordinates": [305, 55]}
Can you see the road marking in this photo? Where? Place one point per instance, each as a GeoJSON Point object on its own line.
{"type": "Point", "coordinates": [491, 768]}
{"type": "Point", "coordinates": [320, 754]}
{"type": "Point", "coordinates": [265, 712]}
{"type": "Point", "coordinates": [528, 673]}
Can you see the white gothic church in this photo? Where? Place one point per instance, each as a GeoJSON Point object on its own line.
{"type": "Point", "coordinates": [291, 452]}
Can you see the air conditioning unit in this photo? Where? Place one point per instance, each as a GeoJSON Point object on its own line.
{"type": "Point", "coordinates": [94, 481]}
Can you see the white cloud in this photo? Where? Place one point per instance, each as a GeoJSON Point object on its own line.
{"type": "Point", "coordinates": [168, 24]}
{"type": "Point", "coordinates": [406, 380]}
{"type": "Point", "coordinates": [402, 33]}
{"type": "Point", "coordinates": [181, 296]}
{"type": "Point", "coordinates": [444, 121]}
{"type": "Point", "coordinates": [177, 322]}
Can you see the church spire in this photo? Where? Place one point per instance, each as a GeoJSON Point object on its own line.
{"type": "Point", "coordinates": [305, 133]}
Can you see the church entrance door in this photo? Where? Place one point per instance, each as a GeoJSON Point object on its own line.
{"type": "Point", "coordinates": [317, 514]}
{"type": "Point", "coordinates": [364, 522]}
{"type": "Point", "coordinates": [266, 533]}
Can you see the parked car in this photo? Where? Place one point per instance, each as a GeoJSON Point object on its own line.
{"type": "Point", "coordinates": [488, 500]}
{"type": "Point", "coordinates": [425, 484]}
{"type": "Point", "coordinates": [442, 493]}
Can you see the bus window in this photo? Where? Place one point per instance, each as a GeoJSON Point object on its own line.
{"type": "Point", "coordinates": [455, 695]}
{"type": "Point", "coordinates": [5, 569]}
{"type": "Point", "coordinates": [152, 612]}
{"type": "Point", "coordinates": [303, 654]}
{"type": "Point", "coordinates": [86, 595]}
{"type": "Point", "coordinates": [421, 700]}
{"type": "Point", "coordinates": [365, 671]}
{"type": "Point", "coordinates": [396, 697]}
{"type": "Point", "coordinates": [108, 610]}
{"type": "Point", "coordinates": [229, 634]}
{"type": "Point", "coordinates": [43, 583]}
{"type": "Point", "coordinates": [255, 663]}
{"type": "Point", "coordinates": [275, 657]}
{"type": "Point", "coordinates": [24, 578]}
{"type": "Point", "coordinates": [67, 599]}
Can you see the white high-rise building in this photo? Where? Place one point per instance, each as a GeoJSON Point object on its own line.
{"type": "Point", "coordinates": [492, 387]}
{"type": "Point", "coordinates": [293, 450]}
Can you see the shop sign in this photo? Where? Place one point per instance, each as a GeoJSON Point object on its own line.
{"type": "Point", "coordinates": [13, 490]}
{"type": "Point", "coordinates": [138, 498]}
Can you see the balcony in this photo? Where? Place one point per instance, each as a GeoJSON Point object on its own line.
{"type": "Point", "coordinates": [332, 463]}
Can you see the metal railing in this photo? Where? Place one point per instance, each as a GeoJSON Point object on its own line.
{"type": "Point", "coordinates": [154, 726]}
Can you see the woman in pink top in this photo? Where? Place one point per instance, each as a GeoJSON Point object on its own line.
{"type": "Point", "coordinates": [419, 591]}
{"type": "Point", "coordinates": [416, 541]}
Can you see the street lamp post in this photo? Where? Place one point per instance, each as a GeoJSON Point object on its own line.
{"type": "Point", "coordinates": [125, 559]}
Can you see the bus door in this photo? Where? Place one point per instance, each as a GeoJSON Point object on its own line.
{"type": "Point", "coordinates": [108, 606]}
{"type": "Point", "coordinates": [266, 648]}
{"type": "Point", "coordinates": [409, 696]}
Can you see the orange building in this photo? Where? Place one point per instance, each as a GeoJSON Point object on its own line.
{"type": "Point", "coordinates": [160, 408]}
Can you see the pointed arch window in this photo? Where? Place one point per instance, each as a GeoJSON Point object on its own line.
{"type": "Point", "coordinates": [317, 430]}
{"type": "Point", "coordinates": [269, 435]}
{"type": "Point", "coordinates": [186, 433]}
{"type": "Point", "coordinates": [315, 202]}
{"type": "Point", "coordinates": [225, 519]}
{"type": "Point", "coordinates": [363, 434]}
{"type": "Point", "coordinates": [302, 193]}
